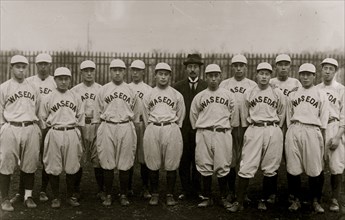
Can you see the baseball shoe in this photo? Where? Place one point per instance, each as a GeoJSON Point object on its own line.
{"type": "Point", "coordinates": [154, 199]}
{"type": "Point", "coordinates": [334, 207]}
{"type": "Point", "coordinates": [236, 207]}
{"type": "Point", "coordinates": [182, 196]}
{"type": "Point", "coordinates": [73, 201]}
{"type": "Point", "coordinates": [29, 203]}
{"type": "Point", "coordinates": [206, 202]}
{"type": "Point", "coordinates": [272, 199]}
{"type": "Point", "coordinates": [107, 201]}
{"type": "Point", "coordinates": [7, 206]}
{"type": "Point", "coordinates": [146, 194]}
{"type": "Point", "coordinates": [124, 200]}
{"type": "Point", "coordinates": [225, 203]}
{"type": "Point", "coordinates": [295, 205]}
{"type": "Point", "coordinates": [170, 200]}
{"type": "Point", "coordinates": [261, 205]}
{"type": "Point", "coordinates": [247, 200]}
{"type": "Point", "coordinates": [101, 195]}
{"type": "Point", "coordinates": [56, 203]}
{"type": "Point", "coordinates": [17, 198]}
{"type": "Point", "coordinates": [317, 207]}
{"type": "Point", "coordinates": [43, 197]}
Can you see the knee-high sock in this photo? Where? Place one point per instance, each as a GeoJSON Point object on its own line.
{"type": "Point", "coordinates": [77, 181]}
{"type": "Point", "coordinates": [99, 175]}
{"type": "Point", "coordinates": [45, 180]}
{"type": "Point", "coordinates": [70, 182]}
{"type": "Point", "coordinates": [124, 177]}
{"type": "Point", "coordinates": [154, 179]}
{"type": "Point", "coordinates": [336, 185]}
{"type": "Point", "coordinates": [207, 184]}
{"type": "Point", "coordinates": [242, 189]}
{"type": "Point", "coordinates": [54, 181]}
{"type": "Point", "coordinates": [130, 178]}
{"type": "Point", "coordinates": [232, 180]}
{"type": "Point", "coordinates": [28, 179]}
{"type": "Point", "coordinates": [144, 173]}
{"type": "Point", "coordinates": [5, 186]}
{"type": "Point", "coordinates": [171, 180]}
{"type": "Point", "coordinates": [108, 181]}
{"type": "Point", "coordinates": [222, 182]}
{"type": "Point", "coordinates": [294, 185]}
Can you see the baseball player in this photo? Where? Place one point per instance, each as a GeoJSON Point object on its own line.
{"type": "Point", "coordinates": [189, 176]}
{"type": "Point", "coordinates": [45, 84]}
{"type": "Point", "coordinates": [62, 115]}
{"type": "Point", "coordinates": [210, 114]}
{"type": "Point", "coordinates": [238, 84]}
{"type": "Point", "coordinates": [307, 119]}
{"type": "Point", "coordinates": [335, 138]}
{"type": "Point", "coordinates": [142, 89]}
{"type": "Point", "coordinates": [116, 108]}
{"type": "Point", "coordinates": [263, 139]}
{"type": "Point", "coordinates": [19, 133]}
{"type": "Point", "coordinates": [87, 91]}
{"type": "Point", "coordinates": [287, 85]}
{"type": "Point", "coordinates": [164, 111]}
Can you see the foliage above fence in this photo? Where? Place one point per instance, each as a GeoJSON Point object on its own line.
{"type": "Point", "coordinates": [72, 61]}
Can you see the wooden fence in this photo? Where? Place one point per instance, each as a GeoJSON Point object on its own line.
{"type": "Point", "coordinates": [72, 60]}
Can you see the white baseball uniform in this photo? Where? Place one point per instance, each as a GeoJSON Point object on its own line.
{"type": "Point", "coordinates": [45, 86]}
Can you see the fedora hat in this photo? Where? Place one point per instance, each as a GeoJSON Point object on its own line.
{"type": "Point", "coordinates": [193, 58]}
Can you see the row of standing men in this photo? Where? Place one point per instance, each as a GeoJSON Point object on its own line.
{"type": "Point", "coordinates": [231, 126]}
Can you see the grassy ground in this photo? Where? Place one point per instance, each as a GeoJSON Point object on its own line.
{"type": "Point", "coordinates": [91, 207]}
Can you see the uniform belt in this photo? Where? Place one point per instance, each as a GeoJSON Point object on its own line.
{"type": "Point", "coordinates": [115, 123]}
{"type": "Point", "coordinates": [21, 124]}
{"type": "Point", "coordinates": [88, 120]}
{"type": "Point", "coordinates": [332, 120]}
{"type": "Point", "coordinates": [264, 124]}
{"type": "Point", "coordinates": [63, 128]}
{"type": "Point", "coordinates": [217, 129]}
{"type": "Point", "coordinates": [162, 123]}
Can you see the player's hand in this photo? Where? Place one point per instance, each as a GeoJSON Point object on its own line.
{"type": "Point", "coordinates": [334, 143]}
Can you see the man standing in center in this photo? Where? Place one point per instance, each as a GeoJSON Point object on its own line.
{"type": "Point", "coordinates": [189, 176]}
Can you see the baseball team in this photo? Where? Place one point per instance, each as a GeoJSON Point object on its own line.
{"type": "Point", "coordinates": [196, 128]}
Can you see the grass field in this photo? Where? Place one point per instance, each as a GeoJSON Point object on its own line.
{"type": "Point", "coordinates": [91, 207]}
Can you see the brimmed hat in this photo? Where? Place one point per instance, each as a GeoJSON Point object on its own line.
{"type": "Point", "coordinates": [138, 64]}
{"type": "Point", "coordinates": [330, 61]}
{"type": "Point", "coordinates": [19, 59]}
{"type": "Point", "coordinates": [307, 67]}
{"type": "Point", "coordinates": [283, 57]}
{"type": "Point", "coordinates": [43, 57]}
{"type": "Point", "coordinates": [239, 58]}
{"type": "Point", "coordinates": [87, 64]}
{"type": "Point", "coordinates": [162, 66]}
{"type": "Point", "coordinates": [212, 68]}
{"type": "Point", "coordinates": [264, 66]}
{"type": "Point", "coordinates": [117, 63]}
{"type": "Point", "coordinates": [62, 71]}
{"type": "Point", "coordinates": [193, 58]}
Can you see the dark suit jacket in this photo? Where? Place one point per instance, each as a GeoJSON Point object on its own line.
{"type": "Point", "coordinates": [184, 88]}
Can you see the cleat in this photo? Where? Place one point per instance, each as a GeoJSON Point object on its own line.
{"type": "Point", "coordinates": [182, 196]}
{"type": "Point", "coordinates": [170, 200]}
{"type": "Point", "coordinates": [101, 195]}
{"type": "Point", "coordinates": [7, 206]}
{"type": "Point", "coordinates": [205, 203]}
{"type": "Point", "coordinates": [124, 200]}
{"type": "Point", "coordinates": [29, 203]}
{"type": "Point", "coordinates": [295, 205]}
{"type": "Point", "coordinates": [146, 194]}
{"type": "Point", "coordinates": [154, 199]}
{"type": "Point", "coordinates": [73, 201]}
{"type": "Point", "coordinates": [56, 203]}
{"type": "Point", "coordinates": [201, 197]}
{"type": "Point", "coordinates": [262, 205]}
{"type": "Point", "coordinates": [17, 198]}
{"type": "Point", "coordinates": [272, 199]}
{"type": "Point", "coordinates": [334, 207]}
{"type": "Point", "coordinates": [107, 202]}
{"type": "Point", "coordinates": [225, 203]}
{"type": "Point", "coordinates": [43, 197]}
{"type": "Point", "coordinates": [317, 207]}
{"type": "Point", "coordinates": [236, 207]}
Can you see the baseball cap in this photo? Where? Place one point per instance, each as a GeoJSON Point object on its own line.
{"type": "Point", "coordinates": [162, 66]}
{"type": "Point", "coordinates": [117, 63]}
{"type": "Point", "coordinates": [43, 57]}
{"type": "Point", "coordinates": [212, 68]}
{"type": "Point", "coordinates": [283, 57]}
{"type": "Point", "coordinates": [19, 59]}
{"type": "Point", "coordinates": [138, 64]}
{"type": "Point", "coordinates": [239, 58]}
{"type": "Point", "coordinates": [87, 64]}
{"type": "Point", "coordinates": [330, 61]}
{"type": "Point", "coordinates": [264, 66]}
{"type": "Point", "coordinates": [307, 67]}
{"type": "Point", "coordinates": [193, 58]}
{"type": "Point", "coordinates": [62, 71]}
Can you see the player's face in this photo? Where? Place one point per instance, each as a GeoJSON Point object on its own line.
{"type": "Point", "coordinates": [88, 74]}
{"type": "Point", "coordinates": [263, 77]}
{"type": "Point", "coordinates": [19, 71]}
{"type": "Point", "coordinates": [43, 68]}
{"type": "Point", "coordinates": [283, 68]}
{"type": "Point", "coordinates": [213, 79]}
{"type": "Point", "coordinates": [162, 77]}
{"type": "Point", "coordinates": [307, 79]}
{"type": "Point", "coordinates": [239, 70]}
{"type": "Point", "coordinates": [62, 83]}
{"type": "Point", "coordinates": [137, 75]}
{"type": "Point", "coordinates": [117, 74]}
{"type": "Point", "coordinates": [328, 72]}
{"type": "Point", "coordinates": [193, 70]}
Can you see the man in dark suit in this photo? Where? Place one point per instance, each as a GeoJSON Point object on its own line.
{"type": "Point", "coordinates": [189, 87]}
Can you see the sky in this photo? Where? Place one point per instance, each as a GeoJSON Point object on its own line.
{"type": "Point", "coordinates": [174, 26]}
